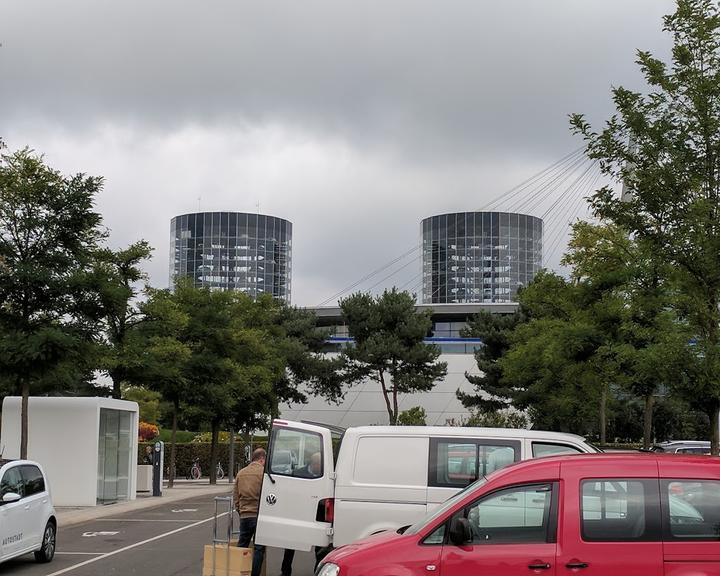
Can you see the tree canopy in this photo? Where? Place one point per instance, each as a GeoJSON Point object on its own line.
{"type": "Point", "coordinates": [664, 146]}
{"type": "Point", "coordinates": [49, 232]}
{"type": "Point", "coordinates": [389, 346]}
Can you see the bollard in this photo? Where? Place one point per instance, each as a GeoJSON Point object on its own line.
{"type": "Point", "coordinates": [158, 454]}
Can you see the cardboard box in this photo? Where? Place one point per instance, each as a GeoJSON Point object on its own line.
{"type": "Point", "coordinates": [229, 561]}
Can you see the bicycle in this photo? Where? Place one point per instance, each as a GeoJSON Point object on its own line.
{"type": "Point", "coordinates": [195, 472]}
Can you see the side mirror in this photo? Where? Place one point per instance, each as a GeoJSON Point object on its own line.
{"type": "Point", "coordinates": [10, 497]}
{"type": "Point", "coordinates": [460, 532]}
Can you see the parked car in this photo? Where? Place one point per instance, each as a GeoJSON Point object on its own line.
{"type": "Point", "coordinates": [590, 514]}
{"type": "Point", "coordinates": [27, 516]}
{"type": "Point", "coordinates": [384, 477]}
{"type": "Point", "coordinates": [683, 447]}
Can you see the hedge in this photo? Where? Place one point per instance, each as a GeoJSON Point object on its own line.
{"type": "Point", "coordinates": [187, 452]}
{"type": "Point", "coordinates": [182, 435]}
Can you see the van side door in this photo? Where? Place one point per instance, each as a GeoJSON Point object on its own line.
{"type": "Point", "coordinates": [610, 520]}
{"type": "Point", "coordinates": [690, 500]}
{"type": "Point", "coordinates": [513, 531]}
{"type": "Point", "coordinates": [296, 501]}
{"type": "Point", "coordinates": [457, 462]}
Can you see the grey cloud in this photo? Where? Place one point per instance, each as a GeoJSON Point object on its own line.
{"type": "Point", "coordinates": [425, 77]}
{"type": "Point", "coordinates": [354, 120]}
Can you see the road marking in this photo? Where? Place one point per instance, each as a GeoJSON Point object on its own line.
{"type": "Point", "coordinates": [93, 534]}
{"type": "Point", "coordinates": [174, 520]}
{"type": "Point", "coordinates": [131, 546]}
{"type": "Point", "coordinates": [186, 510]}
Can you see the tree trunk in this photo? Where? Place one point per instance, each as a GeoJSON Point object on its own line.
{"type": "Point", "coordinates": [715, 435]}
{"type": "Point", "coordinates": [396, 414]}
{"type": "Point", "coordinates": [173, 436]}
{"type": "Point", "coordinates": [213, 451]}
{"type": "Point", "coordinates": [252, 439]}
{"type": "Point", "coordinates": [391, 417]}
{"type": "Point", "coordinates": [24, 418]}
{"type": "Point", "coordinates": [603, 414]}
{"type": "Point", "coordinates": [647, 421]}
{"type": "Point", "coordinates": [231, 456]}
{"type": "Point", "coordinates": [116, 377]}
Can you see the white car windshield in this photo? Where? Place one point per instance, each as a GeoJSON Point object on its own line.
{"type": "Point", "coordinates": [440, 510]}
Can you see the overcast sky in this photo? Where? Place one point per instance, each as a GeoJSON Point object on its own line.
{"type": "Point", "coordinates": [354, 120]}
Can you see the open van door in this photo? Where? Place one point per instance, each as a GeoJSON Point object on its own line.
{"type": "Point", "coordinates": [296, 502]}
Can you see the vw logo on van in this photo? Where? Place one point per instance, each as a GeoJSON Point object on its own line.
{"type": "Point", "coordinates": [271, 499]}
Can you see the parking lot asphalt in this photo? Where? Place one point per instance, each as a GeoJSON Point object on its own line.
{"type": "Point", "coordinates": [164, 540]}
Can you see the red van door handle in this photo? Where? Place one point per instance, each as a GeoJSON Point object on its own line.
{"type": "Point", "coordinates": [539, 566]}
{"type": "Point", "coordinates": [576, 565]}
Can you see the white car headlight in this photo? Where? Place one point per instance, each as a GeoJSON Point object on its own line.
{"type": "Point", "coordinates": [329, 569]}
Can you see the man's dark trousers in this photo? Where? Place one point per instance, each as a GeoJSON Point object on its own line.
{"type": "Point", "coordinates": [247, 531]}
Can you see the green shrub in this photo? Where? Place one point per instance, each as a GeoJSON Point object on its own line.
{"type": "Point", "coordinates": [187, 452]}
{"type": "Point", "coordinates": [223, 437]}
{"type": "Point", "coordinates": [413, 417]}
{"type": "Point", "coordinates": [181, 437]}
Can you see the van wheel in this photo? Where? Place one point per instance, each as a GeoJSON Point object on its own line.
{"type": "Point", "coordinates": [47, 551]}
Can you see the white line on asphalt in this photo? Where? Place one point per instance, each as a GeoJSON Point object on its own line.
{"type": "Point", "coordinates": [175, 520]}
{"type": "Point", "coordinates": [131, 546]}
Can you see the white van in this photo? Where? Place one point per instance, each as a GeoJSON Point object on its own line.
{"type": "Point", "coordinates": [376, 478]}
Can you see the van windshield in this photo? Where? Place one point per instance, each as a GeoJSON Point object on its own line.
{"type": "Point", "coordinates": [440, 510]}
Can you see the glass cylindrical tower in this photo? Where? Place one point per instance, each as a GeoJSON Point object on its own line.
{"type": "Point", "coordinates": [479, 256]}
{"type": "Point", "coordinates": [233, 251]}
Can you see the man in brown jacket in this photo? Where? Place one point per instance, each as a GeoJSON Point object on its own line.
{"type": "Point", "coordinates": [248, 484]}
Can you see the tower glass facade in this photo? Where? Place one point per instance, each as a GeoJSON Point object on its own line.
{"type": "Point", "coordinates": [249, 253]}
{"type": "Point", "coordinates": [473, 257]}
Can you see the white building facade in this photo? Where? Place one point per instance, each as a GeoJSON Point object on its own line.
{"type": "Point", "coordinates": [87, 446]}
{"type": "Point", "coordinates": [363, 403]}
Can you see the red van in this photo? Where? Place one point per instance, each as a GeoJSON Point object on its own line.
{"type": "Point", "coordinates": [586, 514]}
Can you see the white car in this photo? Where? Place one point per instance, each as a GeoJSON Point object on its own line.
{"type": "Point", "coordinates": [27, 516]}
{"type": "Point", "coordinates": [683, 447]}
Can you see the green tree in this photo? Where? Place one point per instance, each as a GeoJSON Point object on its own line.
{"type": "Point", "coordinates": [605, 336]}
{"type": "Point", "coordinates": [491, 393]}
{"type": "Point", "coordinates": [552, 366]}
{"type": "Point", "coordinates": [665, 147]}
{"type": "Point", "coordinates": [233, 365]}
{"type": "Point", "coordinates": [48, 235]}
{"type": "Point", "coordinates": [279, 358]}
{"type": "Point", "coordinates": [210, 369]}
{"type": "Point", "coordinates": [414, 416]}
{"type": "Point", "coordinates": [389, 346]}
{"type": "Point", "coordinates": [165, 356]}
{"type": "Point", "coordinates": [228, 360]}
{"type": "Point", "coordinates": [148, 402]}
{"type": "Point", "coordinates": [497, 419]}
{"type": "Point", "coordinates": [560, 363]}
{"type": "Point", "coordinates": [676, 420]}
{"type": "Point", "coordinates": [302, 344]}
{"type": "Point", "coordinates": [297, 365]}
{"type": "Point", "coordinates": [117, 274]}
{"type": "Point", "coordinates": [650, 347]}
